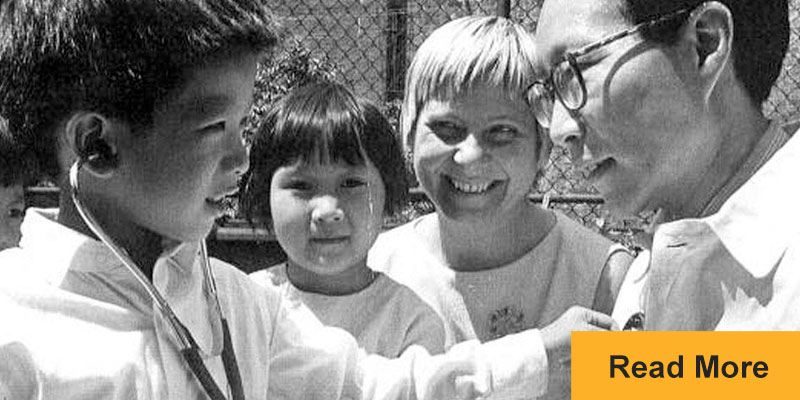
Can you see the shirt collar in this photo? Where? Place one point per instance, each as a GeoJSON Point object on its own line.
{"type": "Point", "coordinates": [754, 220]}
{"type": "Point", "coordinates": [758, 221]}
{"type": "Point", "coordinates": [56, 250]}
{"type": "Point", "coordinates": [66, 249]}
{"type": "Point", "coordinates": [773, 139]}
{"type": "Point", "coordinates": [766, 147]}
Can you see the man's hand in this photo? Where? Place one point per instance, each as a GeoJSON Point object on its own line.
{"type": "Point", "coordinates": [557, 338]}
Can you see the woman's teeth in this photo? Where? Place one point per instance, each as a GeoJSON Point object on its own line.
{"type": "Point", "coordinates": [470, 187]}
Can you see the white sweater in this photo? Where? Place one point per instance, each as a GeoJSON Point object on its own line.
{"type": "Point", "coordinates": [385, 317]}
{"type": "Point", "coordinates": [76, 326]}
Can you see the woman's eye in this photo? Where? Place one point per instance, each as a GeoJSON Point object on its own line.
{"type": "Point", "coordinates": [353, 183]}
{"type": "Point", "coordinates": [448, 132]}
{"type": "Point", "coordinates": [503, 134]}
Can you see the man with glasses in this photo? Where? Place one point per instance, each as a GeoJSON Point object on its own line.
{"type": "Point", "coordinates": [659, 102]}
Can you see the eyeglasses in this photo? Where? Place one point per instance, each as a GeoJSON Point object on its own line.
{"type": "Point", "coordinates": [566, 81]}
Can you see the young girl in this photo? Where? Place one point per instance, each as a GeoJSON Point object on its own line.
{"type": "Point", "coordinates": [325, 167]}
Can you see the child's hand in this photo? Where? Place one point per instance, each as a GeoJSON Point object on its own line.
{"type": "Point", "coordinates": [558, 343]}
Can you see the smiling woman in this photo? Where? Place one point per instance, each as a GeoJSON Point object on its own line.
{"type": "Point", "coordinates": [489, 261]}
{"type": "Point", "coordinates": [477, 157]}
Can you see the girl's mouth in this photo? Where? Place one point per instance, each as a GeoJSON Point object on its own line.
{"type": "Point", "coordinates": [330, 240]}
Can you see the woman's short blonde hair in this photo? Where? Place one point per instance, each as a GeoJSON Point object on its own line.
{"type": "Point", "coordinates": [461, 54]}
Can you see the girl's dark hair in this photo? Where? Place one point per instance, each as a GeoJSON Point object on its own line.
{"type": "Point", "coordinates": [314, 121]}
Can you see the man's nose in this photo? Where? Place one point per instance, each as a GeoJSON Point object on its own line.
{"type": "Point", "coordinates": [566, 131]}
{"type": "Point", "coordinates": [468, 151]}
{"type": "Point", "coordinates": [326, 209]}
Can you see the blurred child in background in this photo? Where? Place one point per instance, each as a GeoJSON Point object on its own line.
{"type": "Point", "coordinates": [15, 172]}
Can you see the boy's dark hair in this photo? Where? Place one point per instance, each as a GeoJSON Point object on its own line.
{"type": "Point", "coordinates": [16, 166]}
{"type": "Point", "coordinates": [760, 40]}
{"type": "Point", "coordinates": [115, 57]}
{"type": "Point", "coordinates": [314, 121]}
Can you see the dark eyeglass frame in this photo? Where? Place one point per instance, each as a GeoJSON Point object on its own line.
{"type": "Point", "coordinates": [570, 58]}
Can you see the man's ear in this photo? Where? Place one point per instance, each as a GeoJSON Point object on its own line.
{"type": "Point", "coordinates": [710, 29]}
{"type": "Point", "coordinates": [93, 141]}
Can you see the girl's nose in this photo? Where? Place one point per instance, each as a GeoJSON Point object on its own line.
{"type": "Point", "coordinates": [327, 210]}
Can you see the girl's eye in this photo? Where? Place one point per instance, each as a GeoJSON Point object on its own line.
{"type": "Point", "coordinates": [16, 213]}
{"type": "Point", "coordinates": [298, 185]}
{"type": "Point", "coordinates": [448, 132]}
{"type": "Point", "coordinates": [353, 183]}
{"type": "Point", "coordinates": [503, 134]}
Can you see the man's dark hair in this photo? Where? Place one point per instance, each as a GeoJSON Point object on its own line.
{"type": "Point", "coordinates": [115, 57]}
{"type": "Point", "coordinates": [760, 36]}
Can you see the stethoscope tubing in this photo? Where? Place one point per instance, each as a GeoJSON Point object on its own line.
{"type": "Point", "coordinates": [187, 346]}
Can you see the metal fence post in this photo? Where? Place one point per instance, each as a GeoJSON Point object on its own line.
{"type": "Point", "coordinates": [504, 8]}
{"type": "Point", "coordinates": [396, 32]}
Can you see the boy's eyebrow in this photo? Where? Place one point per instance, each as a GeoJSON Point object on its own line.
{"type": "Point", "coordinates": [199, 108]}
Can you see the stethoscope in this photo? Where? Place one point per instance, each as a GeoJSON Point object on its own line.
{"type": "Point", "coordinates": [186, 343]}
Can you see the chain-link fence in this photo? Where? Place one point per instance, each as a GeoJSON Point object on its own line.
{"type": "Point", "coordinates": [362, 39]}
{"type": "Point", "coordinates": [369, 44]}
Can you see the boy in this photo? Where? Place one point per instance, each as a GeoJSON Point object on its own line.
{"type": "Point", "coordinates": [148, 97]}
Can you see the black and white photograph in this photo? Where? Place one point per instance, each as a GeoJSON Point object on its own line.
{"type": "Point", "coordinates": [399, 199]}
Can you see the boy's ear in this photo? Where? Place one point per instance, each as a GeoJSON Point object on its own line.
{"type": "Point", "coordinates": [710, 29]}
{"type": "Point", "coordinates": [93, 142]}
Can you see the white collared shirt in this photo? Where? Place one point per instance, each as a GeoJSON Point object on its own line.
{"type": "Point", "coordinates": [737, 269]}
{"type": "Point", "coordinates": [77, 326]}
